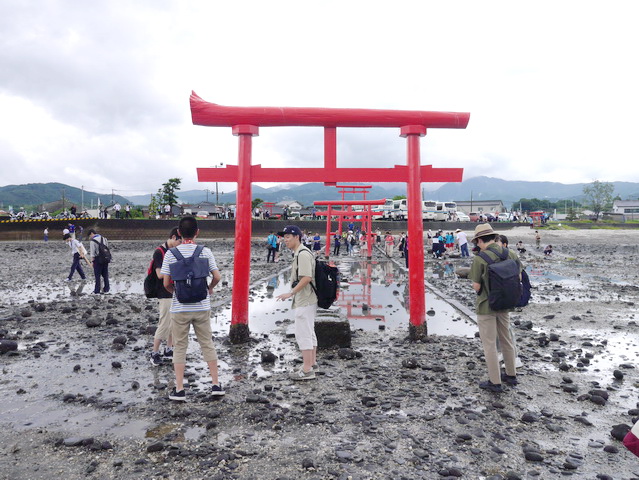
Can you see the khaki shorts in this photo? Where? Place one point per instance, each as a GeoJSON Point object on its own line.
{"type": "Point", "coordinates": [181, 325]}
{"type": "Point", "coordinates": [164, 325]}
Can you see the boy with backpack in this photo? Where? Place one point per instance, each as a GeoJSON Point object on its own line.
{"type": "Point", "coordinates": [163, 332]}
{"type": "Point", "coordinates": [496, 277]}
{"type": "Point", "coordinates": [185, 271]}
{"type": "Point", "coordinates": [101, 257]}
{"type": "Point", "coordinates": [304, 301]}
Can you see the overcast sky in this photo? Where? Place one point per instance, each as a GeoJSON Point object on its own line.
{"type": "Point", "coordinates": [97, 93]}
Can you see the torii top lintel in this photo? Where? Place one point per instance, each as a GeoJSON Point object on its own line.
{"type": "Point", "coordinates": [414, 122]}
{"type": "Point", "coordinates": [212, 115]}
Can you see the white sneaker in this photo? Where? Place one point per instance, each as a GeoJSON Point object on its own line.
{"type": "Point", "coordinates": [301, 375]}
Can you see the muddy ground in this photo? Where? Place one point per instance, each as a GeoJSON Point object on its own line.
{"type": "Point", "coordinates": [84, 402]}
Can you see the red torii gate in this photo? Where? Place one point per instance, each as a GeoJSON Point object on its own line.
{"type": "Point", "coordinates": [367, 216]}
{"type": "Point", "coordinates": [245, 123]}
{"type": "Point", "coordinates": [268, 206]}
{"type": "Point", "coordinates": [352, 189]}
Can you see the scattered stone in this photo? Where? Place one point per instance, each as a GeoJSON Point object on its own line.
{"type": "Point", "coordinates": [534, 457]}
{"type": "Point", "coordinates": [410, 363]}
{"type": "Point", "coordinates": [597, 400]}
{"type": "Point", "coordinates": [73, 441]}
{"type": "Point", "coordinates": [8, 346]}
{"type": "Point", "coordinates": [93, 322]}
{"type": "Point", "coordinates": [619, 431]}
{"type": "Point", "coordinates": [155, 447]}
{"type": "Point", "coordinates": [346, 354]}
{"type": "Point", "coordinates": [268, 357]}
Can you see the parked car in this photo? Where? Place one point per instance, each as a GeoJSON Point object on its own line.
{"type": "Point", "coordinates": [474, 217]}
{"type": "Point", "coordinates": [503, 217]}
{"type": "Point", "coordinates": [202, 214]}
{"type": "Point", "coordinates": [490, 217]}
{"type": "Point", "coordinates": [462, 217]}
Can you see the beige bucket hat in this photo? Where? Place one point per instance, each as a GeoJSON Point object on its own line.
{"type": "Point", "coordinates": [482, 230]}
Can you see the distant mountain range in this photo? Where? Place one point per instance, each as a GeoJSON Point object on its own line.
{"type": "Point", "coordinates": [39, 193]}
{"type": "Point", "coordinates": [480, 188]}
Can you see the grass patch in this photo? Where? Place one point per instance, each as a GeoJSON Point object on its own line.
{"type": "Point", "coordinates": [560, 227]}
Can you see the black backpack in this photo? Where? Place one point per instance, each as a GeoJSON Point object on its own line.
{"type": "Point", "coordinates": [504, 286]}
{"type": "Point", "coordinates": [104, 254]}
{"type": "Point", "coordinates": [325, 284]}
{"type": "Point", "coordinates": [525, 290]}
{"type": "Point", "coordinates": [190, 276]}
{"type": "Point", "coordinates": [151, 281]}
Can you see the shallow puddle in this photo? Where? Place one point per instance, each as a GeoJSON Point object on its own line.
{"type": "Point", "coordinates": [374, 296]}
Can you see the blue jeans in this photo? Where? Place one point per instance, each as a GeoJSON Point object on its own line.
{"type": "Point", "coordinates": [464, 250]}
{"type": "Point", "coordinates": [101, 270]}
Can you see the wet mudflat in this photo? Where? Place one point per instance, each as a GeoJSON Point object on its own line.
{"type": "Point", "coordinates": [84, 402]}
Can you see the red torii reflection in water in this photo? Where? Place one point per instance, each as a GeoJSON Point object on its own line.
{"type": "Point", "coordinates": [245, 122]}
{"type": "Point", "coordinates": [350, 300]}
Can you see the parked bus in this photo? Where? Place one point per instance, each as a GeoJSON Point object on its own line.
{"type": "Point", "coordinates": [432, 210]}
{"type": "Point", "coordinates": [387, 208]}
{"type": "Point", "coordinates": [400, 209]}
{"type": "Point", "coordinates": [451, 207]}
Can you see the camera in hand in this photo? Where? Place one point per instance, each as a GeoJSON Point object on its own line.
{"type": "Point", "coordinates": [294, 284]}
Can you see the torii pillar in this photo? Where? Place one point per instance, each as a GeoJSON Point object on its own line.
{"type": "Point", "coordinates": [246, 121]}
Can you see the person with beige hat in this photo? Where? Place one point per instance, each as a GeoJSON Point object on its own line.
{"type": "Point", "coordinates": [492, 323]}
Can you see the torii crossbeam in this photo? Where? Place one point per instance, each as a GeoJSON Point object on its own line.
{"type": "Point", "coordinates": [245, 123]}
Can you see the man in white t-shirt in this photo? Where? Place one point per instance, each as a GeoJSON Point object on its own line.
{"type": "Point", "coordinates": [462, 241]}
{"type": "Point", "coordinates": [185, 315]}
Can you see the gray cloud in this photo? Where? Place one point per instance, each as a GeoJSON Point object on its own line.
{"type": "Point", "coordinates": [85, 62]}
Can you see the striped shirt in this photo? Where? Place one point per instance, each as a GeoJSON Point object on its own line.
{"type": "Point", "coordinates": [187, 249]}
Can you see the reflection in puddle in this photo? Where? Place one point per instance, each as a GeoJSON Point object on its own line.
{"type": "Point", "coordinates": [374, 297]}
{"type": "Point", "coordinates": [173, 430]}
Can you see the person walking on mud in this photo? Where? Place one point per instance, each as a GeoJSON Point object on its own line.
{"type": "Point", "coordinates": [389, 242]}
{"type": "Point", "coordinates": [163, 331]}
{"type": "Point", "coordinates": [78, 251]}
{"type": "Point", "coordinates": [196, 314]}
{"type": "Point", "coordinates": [304, 301]}
{"type": "Point", "coordinates": [271, 245]}
{"type": "Point", "coordinates": [537, 239]}
{"type": "Point", "coordinates": [337, 243]}
{"type": "Point", "coordinates": [492, 323]}
{"type": "Point", "coordinates": [100, 267]}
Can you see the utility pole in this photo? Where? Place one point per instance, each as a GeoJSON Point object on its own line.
{"type": "Point", "coordinates": [62, 199]}
{"type": "Point", "coordinates": [217, 199]}
{"type": "Point", "coordinates": [82, 207]}
{"type": "Point", "coordinates": [112, 196]}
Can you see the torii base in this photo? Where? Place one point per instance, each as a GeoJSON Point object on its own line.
{"type": "Point", "coordinates": [239, 333]}
{"type": "Point", "coordinates": [417, 332]}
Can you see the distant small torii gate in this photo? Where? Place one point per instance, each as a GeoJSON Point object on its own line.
{"type": "Point", "coordinates": [367, 218]}
{"type": "Point", "coordinates": [245, 123]}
